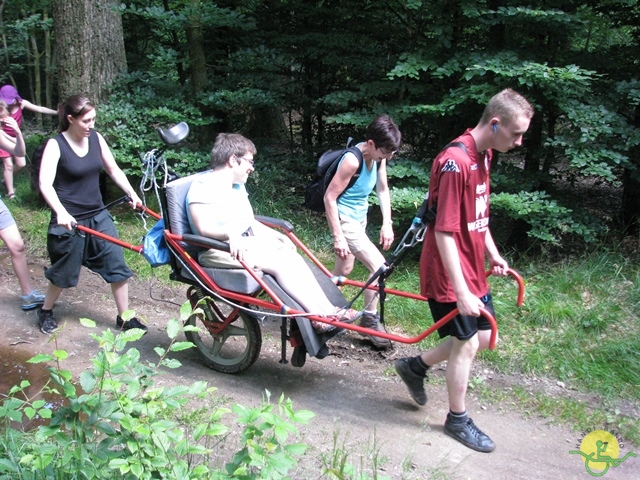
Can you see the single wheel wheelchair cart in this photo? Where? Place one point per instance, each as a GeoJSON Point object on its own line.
{"type": "Point", "coordinates": [229, 305]}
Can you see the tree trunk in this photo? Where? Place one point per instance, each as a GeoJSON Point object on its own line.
{"type": "Point", "coordinates": [36, 94]}
{"type": "Point", "coordinates": [267, 122]}
{"type": "Point", "coordinates": [89, 47]}
{"type": "Point", "coordinates": [631, 202]}
{"type": "Point", "coordinates": [631, 190]}
{"type": "Point", "coordinates": [197, 57]}
{"type": "Point", "coordinates": [5, 48]}
{"type": "Point", "coordinates": [534, 153]}
{"type": "Point", "coordinates": [48, 67]}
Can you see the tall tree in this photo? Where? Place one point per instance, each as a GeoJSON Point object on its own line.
{"type": "Point", "coordinates": [89, 46]}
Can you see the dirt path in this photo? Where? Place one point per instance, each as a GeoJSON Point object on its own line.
{"type": "Point", "coordinates": [353, 391]}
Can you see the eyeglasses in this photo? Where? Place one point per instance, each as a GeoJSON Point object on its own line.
{"type": "Point", "coordinates": [386, 153]}
{"type": "Point", "coordinates": [250, 161]}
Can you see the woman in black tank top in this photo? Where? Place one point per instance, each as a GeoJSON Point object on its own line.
{"type": "Point", "coordinates": [69, 182]}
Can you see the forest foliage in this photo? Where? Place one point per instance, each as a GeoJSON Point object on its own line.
{"type": "Point", "coordinates": [298, 77]}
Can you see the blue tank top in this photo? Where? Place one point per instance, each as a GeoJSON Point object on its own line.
{"type": "Point", "coordinates": [354, 202]}
{"type": "Point", "coordinates": [77, 181]}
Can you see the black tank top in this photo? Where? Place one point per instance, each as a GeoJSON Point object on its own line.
{"type": "Point", "coordinates": [77, 180]}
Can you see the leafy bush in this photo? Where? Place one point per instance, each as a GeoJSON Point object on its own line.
{"type": "Point", "coordinates": [118, 424]}
{"type": "Point", "coordinates": [130, 119]}
{"type": "Point", "coordinates": [548, 220]}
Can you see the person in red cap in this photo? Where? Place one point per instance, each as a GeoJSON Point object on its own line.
{"type": "Point", "coordinates": [15, 104]}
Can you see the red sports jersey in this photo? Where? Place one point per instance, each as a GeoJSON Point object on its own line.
{"type": "Point", "coordinates": [460, 186]}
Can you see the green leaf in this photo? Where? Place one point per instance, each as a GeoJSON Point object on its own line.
{"type": "Point", "coordinates": [40, 358]}
{"type": "Point", "coordinates": [120, 464]}
{"type": "Point", "coordinates": [185, 311]}
{"type": "Point", "coordinates": [179, 346]}
{"type": "Point", "coordinates": [45, 412]}
{"type": "Point", "coordinates": [60, 354]}
{"type": "Point", "coordinates": [88, 381]}
{"type": "Point", "coordinates": [86, 322]}
{"type": "Point", "coordinates": [171, 363]}
{"type": "Point", "coordinates": [7, 466]}
{"type": "Point", "coordinates": [296, 448]}
{"type": "Point", "coordinates": [173, 328]}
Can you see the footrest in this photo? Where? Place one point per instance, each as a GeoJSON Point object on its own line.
{"type": "Point", "coordinates": [299, 356]}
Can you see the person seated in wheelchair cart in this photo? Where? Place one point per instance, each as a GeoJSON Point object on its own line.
{"type": "Point", "coordinates": [218, 207]}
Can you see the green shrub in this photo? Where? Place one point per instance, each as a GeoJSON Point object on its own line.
{"type": "Point", "coordinates": [116, 423]}
{"type": "Point", "coordinates": [549, 221]}
{"type": "Point", "coordinates": [130, 119]}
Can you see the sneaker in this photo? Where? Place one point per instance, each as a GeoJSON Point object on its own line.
{"type": "Point", "coordinates": [372, 321]}
{"type": "Point", "coordinates": [33, 300]}
{"type": "Point", "coordinates": [129, 324]}
{"type": "Point", "coordinates": [47, 323]}
{"type": "Point", "coordinates": [413, 381]}
{"type": "Point", "coordinates": [469, 435]}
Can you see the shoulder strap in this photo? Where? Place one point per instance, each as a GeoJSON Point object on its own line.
{"type": "Point", "coordinates": [356, 151]}
{"type": "Point", "coordinates": [460, 145]}
{"type": "Point", "coordinates": [429, 215]}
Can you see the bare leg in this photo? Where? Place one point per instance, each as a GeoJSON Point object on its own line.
{"type": "Point", "coordinates": [8, 174]}
{"type": "Point", "coordinates": [53, 293]}
{"type": "Point", "coordinates": [19, 163]}
{"type": "Point", "coordinates": [12, 165]}
{"type": "Point", "coordinates": [15, 244]}
{"type": "Point", "coordinates": [372, 260]}
{"type": "Point", "coordinates": [459, 354]}
{"type": "Point", "coordinates": [120, 291]}
{"type": "Point", "coordinates": [458, 369]}
{"type": "Point", "coordinates": [343, 266]}
{"type": "Point", "coordinates": [439, 353]}
{"type": "Point", "coordinates": [484, 338]}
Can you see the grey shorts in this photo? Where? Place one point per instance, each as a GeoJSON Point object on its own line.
{"type": "Point", "coordinates": [6, 219]}
{"type": "Point", "coordinates": [461, 327]}
{"type": "Point", "coordinates": [69, 250]}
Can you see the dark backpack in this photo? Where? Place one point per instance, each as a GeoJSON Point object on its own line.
{"type": "Point", "coordinates": [327, 167]}
{"type": "Point", "coordinates": [36, 159]}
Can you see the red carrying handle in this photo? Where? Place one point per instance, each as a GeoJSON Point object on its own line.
{"type": "Point", "coordinates": [117, 241]}
{"type": "Point", "coordinates": [518, 278]}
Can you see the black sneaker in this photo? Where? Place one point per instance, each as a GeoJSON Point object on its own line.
{"type": "Point", "coordinates": [469, 435]}
{"type": "Point", "coordinates": [413, 381]}
{"type": "Point", "coordinates": [47, 323]}
{"type": "Point", "coordinates": [129, 324]}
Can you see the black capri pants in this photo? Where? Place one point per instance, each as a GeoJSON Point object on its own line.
{"type": "Point", "coordinates": [69, 250]}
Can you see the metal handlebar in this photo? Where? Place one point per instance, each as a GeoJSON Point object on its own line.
{"type": "Point", "coordinates": [518, 278]}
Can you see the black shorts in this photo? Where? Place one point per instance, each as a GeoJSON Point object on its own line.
{"type": "Point", "coordinates": [462, 327]}
{"type": "Point", "coordinates": [69, 250]}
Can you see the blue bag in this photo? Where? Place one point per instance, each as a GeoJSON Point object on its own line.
{"type": "Point", "coordinates": [154, 247]}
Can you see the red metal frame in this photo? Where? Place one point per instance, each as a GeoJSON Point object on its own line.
{"type": "Point", "coordinates": [277, 305]}
{"type": "Point", "coordinates": [117, 241]}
